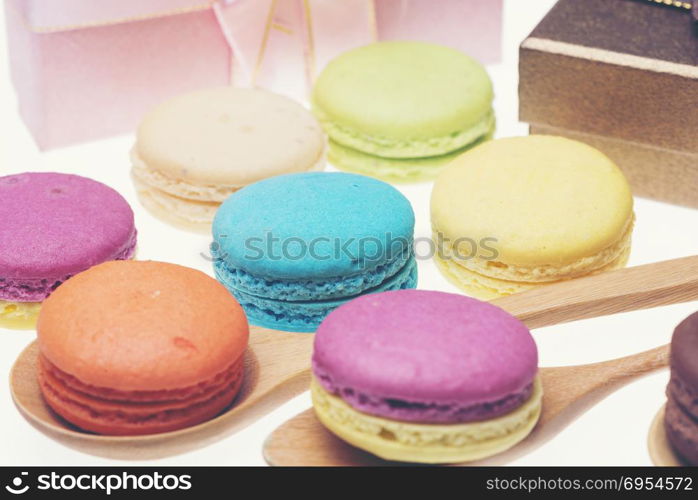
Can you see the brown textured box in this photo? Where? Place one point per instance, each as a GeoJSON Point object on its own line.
{"type": "Point", "coordinates": [621, 75]}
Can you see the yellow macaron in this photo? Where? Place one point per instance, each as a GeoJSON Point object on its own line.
{"type": "Point", "coordinates": [517, 213]}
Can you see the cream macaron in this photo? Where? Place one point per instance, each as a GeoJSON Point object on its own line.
{"type": "Point", "coordinates": [195, 150]}
{"type": "Point", "coordinates": [517, 213]}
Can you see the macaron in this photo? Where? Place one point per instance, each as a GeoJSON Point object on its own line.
{"type": "Point", "coordinates": [54, 226]}
{"type": "Point", "coordinates": [135, 348]}
{"type": "Point", "coordinates": [427, 377]}
{"type": "Point", "coordinates": [517, 213]}
{"type": "Point", "coordinates": [681, 416]}
{"type": "Point", "coordinates": [294, 247]}
{"type": "Point", "coordinates": [195, 150]}
{"type": "Point", "coordinates": [401, 110]}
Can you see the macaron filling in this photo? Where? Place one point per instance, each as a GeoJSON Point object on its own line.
{"type": "Point", "coordinates": [179, 189]}
{"type": "Point", "coordinates": [498, 270]}
{"type": "Point", "coordinates": [682, 431]}
{"type": "Point", "coordinates": [685, 397]}
{"type": "Point", "coordinates": [426, 412]}
{"type": "Point", "coordinates": [423, 442]}
{"type": "Point", "coordinates": [391, 169]}
{"type": "Point", "coordinates": [414, 147]}
{"type": "Point", "coordinates": [104, 410]}
{"type": "Point", "coordinates": [197, 392]}
{"type": "Point", "coordinates": [306, 315]}
{"type": "Point", "coordinates": [321, 288]}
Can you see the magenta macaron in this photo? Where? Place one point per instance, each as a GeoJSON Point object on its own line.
{"type": "Point", "coordinates": [53, 226]}
{"type": "Point", "coordinates": [426, 376]}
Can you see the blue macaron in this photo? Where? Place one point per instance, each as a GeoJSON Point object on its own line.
{"type": "Point", "coordinates": [294, 247]}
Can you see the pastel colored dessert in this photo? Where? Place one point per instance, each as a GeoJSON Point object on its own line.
{"type": "Point", "coordinates": [294, 247]}
{"type": "Point", "coordinates": [422, 376]}
{"type": "Point", "coordinates": [195, 150]}
{"type": "Point", "coordinates": [401, 110]}
{"type": "Point", "coordinates": [135, 348]}
{"type": "Point", "coordinates": [681, 417]}
{"type": "Point", "coordinates": [514, 214]}
{"type": "Point", "coordinates": [54, 226]}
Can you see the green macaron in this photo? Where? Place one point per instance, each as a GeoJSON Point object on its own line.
{"type": "Point", "coordinates": [402, 105]}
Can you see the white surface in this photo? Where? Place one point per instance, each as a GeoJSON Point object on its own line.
{"type": "Point", "coordinates": [612, 433]}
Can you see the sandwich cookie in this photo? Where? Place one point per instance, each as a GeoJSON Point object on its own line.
{"type": "Point", "coordinates": [429, 377]}
{"type": "Point", "coordinates": [195, 150]}
{"type": "Point", "coordinates": [294, 247]}
{"type": "Point", "coordinates": [134, 348]}
{"type": "Point", "coordinates": [54, 226]}
{"type": "Point", "coordinates": [401, 110]}
{"type": "Point", "coordinates": [517, 213]}
{"type": "Point", "coordinates": [681, 416]}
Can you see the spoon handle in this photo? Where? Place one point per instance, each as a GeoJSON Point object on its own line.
{"type": "Point", "coordinates": [630, 289]}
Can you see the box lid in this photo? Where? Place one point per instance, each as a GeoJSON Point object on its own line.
{"type": "Point", "coordinates": [618, 68]}
{"type": "Point", "coordinates": [62, 15]}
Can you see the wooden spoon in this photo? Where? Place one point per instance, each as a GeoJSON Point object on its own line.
{"type": "Point", "coordinates": [278, 363]}
{"type": "Point", "coordinates": [276, 370]}
{"type": "Point", "coordinates": [568, 391]}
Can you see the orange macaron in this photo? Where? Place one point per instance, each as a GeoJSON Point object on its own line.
{"type": "Point", "coordinates": [134, 348]}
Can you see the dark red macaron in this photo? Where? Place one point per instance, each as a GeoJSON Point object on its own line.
{"type": "Point", "coordinates": [681, 420]}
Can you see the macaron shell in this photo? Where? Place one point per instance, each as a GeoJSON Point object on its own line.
{"type": "Point", "coordinates": [229, 136]}
{"type": "Point", "coordinates": [19, 315]}
{"type": "Point", "coordinates": [402, 99]}
{"type": "Point", "coordinates": [426, 347]}
{"type": "Point", "coordinates": [255, 229]}
{"type": "Point", "coordinates": [426, 443]}
{"type": "Point", "coordinates": [142, 326]}
{"type": "Point", "coordinates": [546, 200]}
{"type": "Point", "coordinates": [56, 225]}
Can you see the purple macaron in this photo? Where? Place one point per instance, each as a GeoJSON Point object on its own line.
{"type": "Point", "coordinates": [424, 356]}
{"type": "Point", "coordinates": [53, 226]}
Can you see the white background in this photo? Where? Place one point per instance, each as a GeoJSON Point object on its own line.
{"type": "Point", "coordinates": [612, 433]}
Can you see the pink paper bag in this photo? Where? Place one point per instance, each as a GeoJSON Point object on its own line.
{"type": "Point", "coordinates": [84, 72]}
{"type": "Point", "coordinates": [284, 44]}
{"type": "Point", "coordinates": [86, 69]}
{"type": "Point", "coordinates": [473, 26]}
